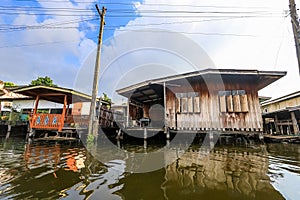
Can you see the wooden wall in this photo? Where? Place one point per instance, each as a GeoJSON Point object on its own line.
{"type": "Point", "coordinates": [240, 112]}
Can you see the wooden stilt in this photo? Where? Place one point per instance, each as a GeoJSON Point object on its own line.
{"type": "Point", "coordinates": [119, 135]}
{"type": "Point", "coordinates": [276, 125]}
{"type": "Point", "coordinates": [168, 134]}
{"type": "Point", "coordinates": [8, 131]}
{"type": "Point", "coordinates": [295, 124]}
{"type": "Point", "coordinates": [145, 134]}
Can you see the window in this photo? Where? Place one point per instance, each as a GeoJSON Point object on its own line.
{"type": "Point", "coordinates": [233, 101]}
{"type": "Point", "coordinates": [188, 102]}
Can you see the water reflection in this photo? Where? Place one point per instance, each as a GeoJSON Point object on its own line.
{"type": "Point", "coordinates": [284, 169]}
{"type": "Point", "coordinates": [69, 171]}
{"type": "Point", "coordinates": [223, 174]}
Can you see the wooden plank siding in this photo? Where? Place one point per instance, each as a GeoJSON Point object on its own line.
{"type": "Point", "coordinates": [234, 112]}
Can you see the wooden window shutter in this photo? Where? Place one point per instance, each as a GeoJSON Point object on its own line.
{"type": "Point", "coordinates": [222, 103]}
{"type": "Point", "coordinates": [244, 103]}
{"type": "Point", "coordinates": [236, 103]}
{"type": "Point", "coordinates": [196, 104]}
{"type": "Point", "coordinates": [229, 103]}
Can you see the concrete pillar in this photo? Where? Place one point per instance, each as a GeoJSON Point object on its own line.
{"type": "Point", "coordinates": [295, 124]}
{"type": "Point", "coordinates": [145, 134]}
{"type": "Point", "coordinates": [276, 125]}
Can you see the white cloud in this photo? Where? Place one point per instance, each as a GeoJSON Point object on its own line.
{"type": "Point", "coordinates": [263, 43]}
{"type": "Point", "coordinates": [39, 52]}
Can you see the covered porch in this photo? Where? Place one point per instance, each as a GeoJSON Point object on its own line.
{"type": "Point", "coordinates": [56, 122]}
{"type": "Point", "coordinates": [284, 122]}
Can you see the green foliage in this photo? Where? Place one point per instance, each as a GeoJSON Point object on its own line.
{"type": "Point", "coordinates": [8, 84]}
{"type": "Point", "coordinates": [90, 140]}
{"type": "Point", "coordinates": [43, 81]}
{"type": "Point", "coordinates": [106, 98]}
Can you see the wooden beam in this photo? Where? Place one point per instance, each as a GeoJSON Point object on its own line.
{"type": "Point", "coordinates": [63, 114]}
{"type": "Point", "coordinates": [52, 94]}
{"type": "Point", "coordinates": [127, 118]}
{"type": "Point", "coordinates": [165, 109]}
{"type": "Point", "coordinates": [34, 111]}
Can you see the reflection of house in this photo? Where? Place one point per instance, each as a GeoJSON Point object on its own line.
{"type": "Point", "coordinates": [282, 115]}
{"type": "Point", "coordinates": [37, 156]}
{"type": "Point", "coordinates": [199, 173]}
{"type": "Point", "coordinates": [202, 100]}
{"type": "Point", "coordinates": [242, 173]}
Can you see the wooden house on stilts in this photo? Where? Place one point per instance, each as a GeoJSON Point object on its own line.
{"type": "Point", "coordinates": [66, 122]}
{"type": "Point", "coordinates": [205, 100]}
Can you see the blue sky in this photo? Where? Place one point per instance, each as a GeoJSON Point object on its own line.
{"type": "Point", "coordinates": [58, 38]}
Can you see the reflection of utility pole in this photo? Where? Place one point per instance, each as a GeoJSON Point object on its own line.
{"type": "Point", "coordinates": [296, 30]}
{"type": "Point", "coordinates": [92, 118]}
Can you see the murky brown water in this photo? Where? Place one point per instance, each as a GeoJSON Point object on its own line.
{"type": "Point", "coordinates": [68, 171]}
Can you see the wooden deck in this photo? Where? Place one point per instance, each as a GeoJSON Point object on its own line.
{"type": "Point", "coordinates": [282, 138]}
{"type": "Point", "coordinates": [55, 138]}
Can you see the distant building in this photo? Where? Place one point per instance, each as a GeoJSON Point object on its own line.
{"type": "Point", "coordinates": [282, 115]}
{"type": "Point", "coordinates": [211, 99]}
{"type": "Point", "coordinates": [7, 98]}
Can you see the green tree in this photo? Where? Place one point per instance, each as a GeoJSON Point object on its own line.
{"type": "Point", "coordinates": [8, 84]}
{"type": "Point", "coordinates": [106, 98]}
{"type": "Point", "coordinates": [43, 81]}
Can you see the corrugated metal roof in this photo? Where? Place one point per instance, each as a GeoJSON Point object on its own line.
{"type": "Point", "coordinates": [283, 98]}
{"type": "Point", "coordinates": [260, 78]}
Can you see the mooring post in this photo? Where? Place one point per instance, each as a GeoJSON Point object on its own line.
{"type": "Point", "coordinates": [119, 135]}
{"type": "Point", "coordinates": [168, 143]}
{"type": "Point", "coordinates": [118, 143]}
{"type": "Point", "coordinates": [168, 134]}
{"type": "Point", "coordinates": [8, 131]}
{"type": "Point", "coordinates": [211, 140]}
{"type": "Point", "coordinates": [145, 133]}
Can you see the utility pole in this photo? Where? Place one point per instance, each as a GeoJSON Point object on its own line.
{"type": "Point", "coordinates": [92, 130]}
{"type": "Point", "coordinates": [296, 30]}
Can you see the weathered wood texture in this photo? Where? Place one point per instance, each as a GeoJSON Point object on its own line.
{"type": "Point", "coordinates": [234, 112]}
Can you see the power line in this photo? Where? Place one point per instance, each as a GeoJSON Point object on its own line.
{"type": "Point", "coordinates": [35, 8]}
{"type": "Point", "coordinates": [184, 32]}
{"type": "Point", "coordinates": [44, 14]}
{"type": "Point", "coordinates": [58, 24]}
{"type": "Point", "coordinates": [6, 27]}
{"type": "Point", "coordinates": [37, 44]}
{"type": "Point", "coordinates": [149, 4]}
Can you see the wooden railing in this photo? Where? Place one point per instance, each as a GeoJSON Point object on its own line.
{"type": "Point", "coordinates": [47, 121]}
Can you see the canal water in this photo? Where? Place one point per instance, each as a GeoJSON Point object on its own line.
{"type": "Point", "coordinates": [67, 170]}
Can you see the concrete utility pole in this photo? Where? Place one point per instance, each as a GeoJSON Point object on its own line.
{"type": "Point", "coordinates": [296, 30]}
{"type": "Point", "coordinates": [92, 130]}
